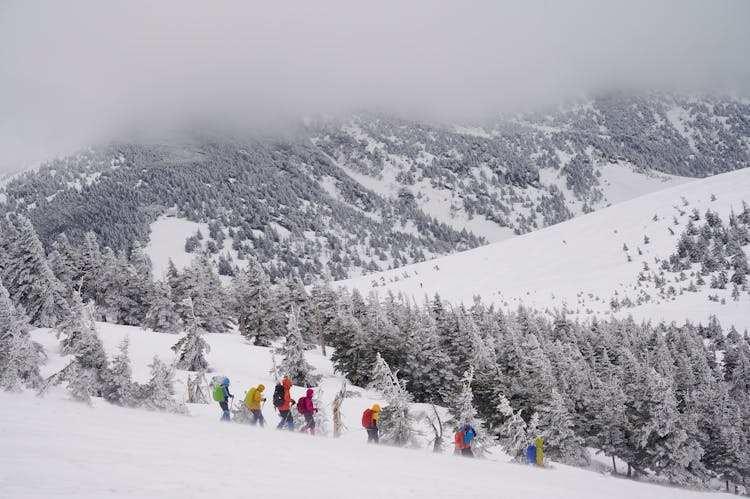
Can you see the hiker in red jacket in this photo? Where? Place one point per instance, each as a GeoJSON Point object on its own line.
{"type": "Point", "coordinates": [307, 409]}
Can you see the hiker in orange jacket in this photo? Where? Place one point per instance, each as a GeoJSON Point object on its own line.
{"type": "Point", "coordinates": [284, 412]}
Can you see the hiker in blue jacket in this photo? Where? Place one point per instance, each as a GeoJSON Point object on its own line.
{"type": "Point", "coordinates": [469, 434]}
{"type": "Point", "coordinates": [224, 403]}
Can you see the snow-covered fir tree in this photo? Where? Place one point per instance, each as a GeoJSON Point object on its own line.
{"type": "Point", "coordinates": [88, 370]}
{"type": "Point", "coordinates": [162, 315]}
{"type": "Point", "coordinates": [159, 393]}
{"type": "Point", "coordinates": [252, 303]}
{"type": "Point", "coordinates": [192, 348]}
{"type": "Point", "coordinates": [512, 432]}
{"type": "Point", "coordinates": [28, 278]}
{"type": "Point", "coordinates": [396, 421]}
{"type": "Point", "coordinates": [200, 283]}
{"type": "Point", "coordinates": [351, 355]}
{"type": "Point", "coordinates": [293, 363]}
{"type": "Point", "coordinates": [122, 293]}
{"type": "Point", "coordinates": [428, 369]}
{"type": "Point", "coordinates": [118, 384]}
{"type": "Point", "coordinates": [20, 357]}
{"type": "Point", "coordinates": [561, 443]}
{"type": "Point", "coordinates": [75, 326]}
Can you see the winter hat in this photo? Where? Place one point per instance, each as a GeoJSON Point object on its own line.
{"type": "Point", "coordinates": [225, 382]}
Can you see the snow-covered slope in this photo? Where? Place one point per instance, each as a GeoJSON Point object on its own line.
{"type": "Point", "coordinates": [54, 447]}
{"type": "Point", "coordinates": [60, 448]}
{"type": "Point", "coordinates": [581, 264]}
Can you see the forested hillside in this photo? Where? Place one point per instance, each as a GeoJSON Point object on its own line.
{"type": "Point", "coordinates": [347, 197]}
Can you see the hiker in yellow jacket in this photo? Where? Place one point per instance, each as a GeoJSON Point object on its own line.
{"type": "Point", "coordinates": [253, 400]}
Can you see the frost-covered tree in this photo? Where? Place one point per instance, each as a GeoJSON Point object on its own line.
{"type": "Point", "coordinates": [198, 389]}
{"type": "Point", "coordinates": [561, 443]}
{"type": "Point", "coordinates": [293, 364]}
{"type": "Point", "coordinates": [192, 348]}
{"type": "Point", "coordinates": [123, 289]}
{"type": "Point", "coordinates": [20, 357]}
{"type": "Point", "coordinates": [75, 326]}
{"type": "Point", "coordinates": [28, 277]}
{"type": "Point", "coordinates": [118, 384]}
{"type": "Point", "coordinates": [322, 418]}
{"type": "Point", "coordinates": [252, 303]}
{"type": "Point", "coordinates": [609, 426]}
{"type": "Point", "coordinates": [162, 315]}
{"type": "Point", "coordinates": [512, 432]}
{"type": "Point", "coordinates": [200, 283]}
{"type": "Point", "coordinates": [159, 393]}
{"type": "Point", "coordinates": [288, 296]}
{"type": "Point", "coordinates": [428, 369]}
{"type": "Point", "coordinates": [351, 355]}
{"type": "Point", "coordinates": [88, 370]}
{"type": "Point", "coordinates": [396, 422]}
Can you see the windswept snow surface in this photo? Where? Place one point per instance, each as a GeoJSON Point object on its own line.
{"type": "Point", "coordinates": [54, 447]}
{"type": "Point", "coordinates": [58, 448]}
{"type": "Point", "coordinates": [579, 265]}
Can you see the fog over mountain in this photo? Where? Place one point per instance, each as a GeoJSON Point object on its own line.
{"type": "Point", "coordinates": [76, 72]}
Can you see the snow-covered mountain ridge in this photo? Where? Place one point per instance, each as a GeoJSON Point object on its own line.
{"type": "Point", "coordinates": [346, 197]}
{"type": "Point", "coordinates": [583, 264]}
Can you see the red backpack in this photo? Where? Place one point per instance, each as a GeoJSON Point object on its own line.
{"type": "Point", "coordinates": [302, 405]}
{"type": "Point", "coordinates": [458, 439]}
{"type": "Point", "coordinates": [367, 418]}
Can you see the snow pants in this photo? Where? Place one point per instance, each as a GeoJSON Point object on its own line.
{"type": "Point", "coordinates": [309, 423]}
{"type": "Point", "coordinates": [466, 452]}
{"type": "Point", "coordinates": [372, 435]}
{"type": "Point", "coordinates": [225, 410]}
{"type": "Point", "coordinates": [286, 419]}
{"type": "Point", "coordinates": [257, 417]}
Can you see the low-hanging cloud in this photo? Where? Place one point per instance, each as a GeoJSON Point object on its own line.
{"type": "Point", "coordinates": [72, 72]}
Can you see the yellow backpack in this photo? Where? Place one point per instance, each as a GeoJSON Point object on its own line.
{"type": "Point", "coordinates": [249, 397]}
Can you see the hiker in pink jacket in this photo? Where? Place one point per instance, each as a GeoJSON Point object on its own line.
{"type": "Point", "coordinates": [306, 408]}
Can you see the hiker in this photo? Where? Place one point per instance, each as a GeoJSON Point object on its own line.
{"type": "Point", "coordinates": [284, 398]}
{"type": "Point", "coordinates": [222, 395]}
{"type": "Point", "coordinates": [462, 439]}
{"type": "Point", "coordinates": [370, 423]}
{"type": "Point", "coordinates": [307, 409]}
{"type": "Point", "coordinates": [253, 400]}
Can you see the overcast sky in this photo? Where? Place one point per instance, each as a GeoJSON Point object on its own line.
{"type": "Point", "coordinates": [72, 72]}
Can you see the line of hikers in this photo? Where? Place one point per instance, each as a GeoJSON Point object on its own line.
{"type": "Point", "coordinates": [282, 401]}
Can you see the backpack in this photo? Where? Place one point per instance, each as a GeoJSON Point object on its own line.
{"type": "Point", "coordinates": [219, 393]}
{"type": "Point", "coordinates": [302, 405]}
{"type": "Point", "coordinates": [249, 397]}
{"type": "Point", "coordinates": [458, 439]}
{"type": "Point", "coordinates": [367, 418]}
{"type": "Point", "coordinates": [278, 395]}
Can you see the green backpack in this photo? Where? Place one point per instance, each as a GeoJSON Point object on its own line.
{"type": "Point", "coordinates": [219, 393]}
